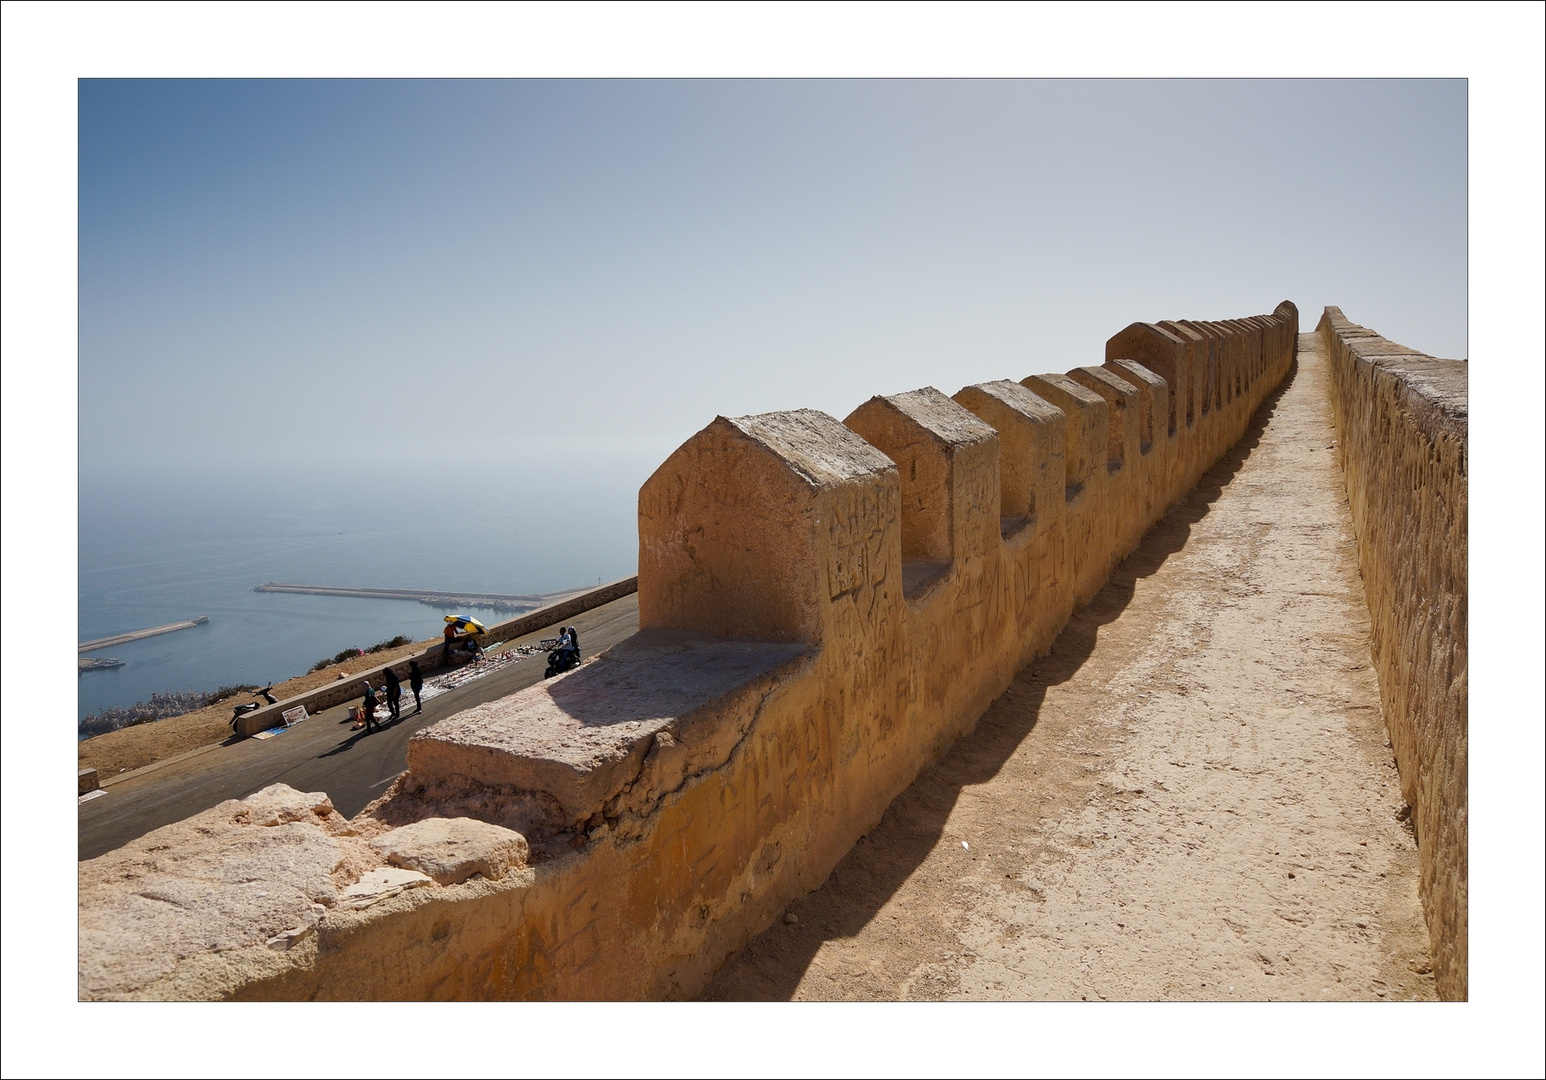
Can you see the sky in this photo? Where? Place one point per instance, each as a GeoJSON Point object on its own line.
{"type": "Point", "coordinates": [299, 274]}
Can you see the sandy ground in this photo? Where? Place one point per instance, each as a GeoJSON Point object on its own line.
{"type": "Point", "coordinates": [1192, 797]}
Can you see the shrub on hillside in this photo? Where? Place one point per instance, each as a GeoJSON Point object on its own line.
{"type": "Point", "coordinates": [350, 654]}
{"type": "Point", "coordinates": [224, 692]}
{"type": "Point", "coordinates": [383, 646]}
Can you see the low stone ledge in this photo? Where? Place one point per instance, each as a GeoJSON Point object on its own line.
{"type": "Point", "coordinates": [633, 722]}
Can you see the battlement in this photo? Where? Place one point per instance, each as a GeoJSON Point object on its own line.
{"type": "Point", "coordinates": [824, 607]}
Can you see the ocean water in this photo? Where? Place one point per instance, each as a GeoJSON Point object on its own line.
{"type": "Point", "coordinates": [156, 551]}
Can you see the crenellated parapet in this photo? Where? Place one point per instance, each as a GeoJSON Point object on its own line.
{"type": "Point", "coordinates": [948, 466]}
{"type": "Point", "coordinates": [824, 607]}
{"type": "Point", "coordinates": [766, 527]}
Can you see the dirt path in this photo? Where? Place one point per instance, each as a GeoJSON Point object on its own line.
{"type": "Point", "coordinates": [1191, 798]}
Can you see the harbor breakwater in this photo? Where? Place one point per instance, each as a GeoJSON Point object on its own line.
{"type": "Point", "coordinates": [138, 635]}
{"type": "Point", "coordinates": [434, 598]}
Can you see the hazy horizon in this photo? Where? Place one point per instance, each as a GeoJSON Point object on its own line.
{"type": "Point", "coordinates": [291, 277]}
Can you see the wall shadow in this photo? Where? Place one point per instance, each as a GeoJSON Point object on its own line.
{"type": "Point", "coordinates": [772, 965]}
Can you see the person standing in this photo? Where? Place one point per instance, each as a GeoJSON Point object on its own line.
{"type": "Point", "coordinates": [370, 709]}
{"type": "Point", "coordinates": [445, 652]}
{"type": "Point", "coordinates": [416, 684]}
{"type": "Point", "coordinates": [394, 693]}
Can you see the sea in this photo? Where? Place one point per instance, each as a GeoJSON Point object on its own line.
{"type": "Point", "coordinates": [155, 551]}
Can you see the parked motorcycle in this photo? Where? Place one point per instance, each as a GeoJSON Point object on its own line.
{"type": "Point", "coordinates": [253, 706]}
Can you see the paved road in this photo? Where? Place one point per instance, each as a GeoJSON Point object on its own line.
{"type": "Point", "coordinates": [322, 754]}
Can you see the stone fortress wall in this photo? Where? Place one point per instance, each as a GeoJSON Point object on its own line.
{"type": "Point", "coordinates": [1402, 422]}
{"type": "Point", "coordinates": [824, 608]}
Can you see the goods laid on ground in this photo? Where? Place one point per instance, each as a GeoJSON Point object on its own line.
{"type": "Point", "coordinates": [478, 669]}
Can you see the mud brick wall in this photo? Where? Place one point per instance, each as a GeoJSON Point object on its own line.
{"type": "Point", "coordinates": [825, 607]}
{"type": "Point", "coordinates": [1401, 420]}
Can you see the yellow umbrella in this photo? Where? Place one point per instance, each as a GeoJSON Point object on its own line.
{"type": "Point", "coordinates": [464, 625]}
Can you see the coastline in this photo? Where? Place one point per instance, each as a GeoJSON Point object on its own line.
{"type": "Point", "coordinates": [115, 753]}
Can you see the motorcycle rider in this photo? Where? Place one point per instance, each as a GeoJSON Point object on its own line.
{"type": "Point", "coordinates": [566, 652]}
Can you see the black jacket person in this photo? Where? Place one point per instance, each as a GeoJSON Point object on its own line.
{"type": "Point", "coordinates": [394, 693]}
{"type": "Point", "coordinates": [416, 684]}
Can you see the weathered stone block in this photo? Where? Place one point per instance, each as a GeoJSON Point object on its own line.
{"type": "Point", "coordinates": [1032, 456]}
{"type": "Point", "coordinates": [757, 524]}
{"type": "Point", "coordinates": [612, 735]}
{"type": "Point", "coordinates": [1129, 485]}
{"type": "Point", "coordinates": [1208, 357]}
{"type": "Point", "coordinates": [1086, 431]}
{"type": "Point", "coordinates": [1163, 353]}
{"type": "Point", "coordinates": [1195, 363]}
{"type": "Point", "coordinates": [223, 881]}
{"type": "Point", "coordinates": [451, 850]}
{"type": "Point", "coordinates": [1122, 428]}
{"type": "Point", "coordinates": [1091, 540]}
{"type": "Point", "coordinates": [1152, 400]}
{"type": "Point", "coordinates": [948, 463]}
{"type": "Point", "coordinates": [1156, 450]}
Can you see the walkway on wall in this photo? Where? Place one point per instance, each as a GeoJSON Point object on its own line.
{"type": "Point", "coordinates": [1191, 797]}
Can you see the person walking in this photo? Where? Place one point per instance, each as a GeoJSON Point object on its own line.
{"type": "Point", "coordinates": [416, 684]}
{"type": "Point", "coordinates": [394, 694]}
{"type": "Point", "coordinates": [370, 709]}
